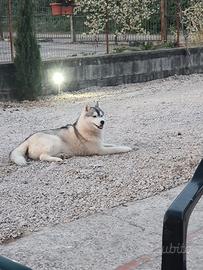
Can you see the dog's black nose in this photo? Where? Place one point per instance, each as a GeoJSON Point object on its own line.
{"type": "Point", "coordinates": [102, 122]}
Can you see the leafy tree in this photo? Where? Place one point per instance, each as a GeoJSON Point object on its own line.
{"type": "Point", "coordinates": [193, 16]}
{"type": "Point", "coordinates": [126, 15]}
{"type": "Point", "coordinates": [27, 59]}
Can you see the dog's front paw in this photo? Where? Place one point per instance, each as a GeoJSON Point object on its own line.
{"type": "Point", "coordinates": [127, 149]}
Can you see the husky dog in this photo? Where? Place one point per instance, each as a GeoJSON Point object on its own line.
{"type": "Point", "coordinates": [83, 138]}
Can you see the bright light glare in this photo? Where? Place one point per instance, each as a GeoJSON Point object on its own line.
{"type": "Point", "coordinates": [58, 78]}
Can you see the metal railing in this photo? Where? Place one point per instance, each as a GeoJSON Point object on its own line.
{"type": "Point", "coordinates": [176, 223]}
{"type": "Point", "coordinates": [56, 39]}
{"type": "Point", "coordinates": [55, 36]}
{"type": "Point", "coordinates": [7, 264]}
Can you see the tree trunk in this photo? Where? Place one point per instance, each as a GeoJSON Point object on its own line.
{"type": "Point", "coordinates": [72, 29]}
{"type": "Point", "coordinates": [1, 31]}
{"type": "Point", "coordinates": [163, 14]}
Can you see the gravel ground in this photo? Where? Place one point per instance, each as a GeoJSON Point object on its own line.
{"type": "Point", "coordinates": [160, 120]}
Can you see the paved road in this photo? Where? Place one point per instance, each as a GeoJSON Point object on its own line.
{"type": "Point", "coordinates": [58, 45]}
{"type": "Point", "coordinates": [123, 238]}
{"type": "Point", "coordinates": [57, 48]}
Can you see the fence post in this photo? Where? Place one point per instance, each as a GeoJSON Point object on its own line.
{"type": "Point", "coordinates": [10, 28]}
{"type": "Point", "coordinates": [72, 29]}
{"type": "Point", "coordinates": [178, 23]}
{"type": "Point", "coordinates": [1, 31]}
{"type": "Point", "coordinates": [1, 23]}
{"type": "Point", "coordinates": [163, 10]}
{"type": "Point", "coordinates": [107, 28]}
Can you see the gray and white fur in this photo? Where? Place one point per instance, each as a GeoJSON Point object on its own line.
{"type": "Point", "coordinates": [83, 138]}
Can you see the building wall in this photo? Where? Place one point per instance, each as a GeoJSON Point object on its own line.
{"type": "Point", "coordinates": [111, 69]}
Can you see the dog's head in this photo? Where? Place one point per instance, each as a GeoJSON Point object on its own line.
{"type": "Point", "coordinates": [94, 116]}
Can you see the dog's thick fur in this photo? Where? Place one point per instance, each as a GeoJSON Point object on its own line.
{"type": "Point", "coordinates": [83, 138]}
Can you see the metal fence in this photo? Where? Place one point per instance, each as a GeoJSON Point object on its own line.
{"type": "Point", "coordinates": [56, 40]}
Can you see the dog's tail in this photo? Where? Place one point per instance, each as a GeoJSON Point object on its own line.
{"type": "Point", "coordinates": [18, 154]}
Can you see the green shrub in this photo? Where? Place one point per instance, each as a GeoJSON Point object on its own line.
{"type": "Point", "coordinates": [27, 60]}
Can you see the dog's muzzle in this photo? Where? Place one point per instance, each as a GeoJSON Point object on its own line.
{"type": "Point", "coordinates": [101, 125]}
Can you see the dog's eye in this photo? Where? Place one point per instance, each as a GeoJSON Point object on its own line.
{"type": "Point", "coordinates": [94, 116]}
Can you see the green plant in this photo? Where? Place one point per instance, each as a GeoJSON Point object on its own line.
{"type": "Point", "coordinates": [119, 49]}
{"type": "Point", "coordinates": [148, 46]}
{"type": "Point", "coordinates": [27, 60]}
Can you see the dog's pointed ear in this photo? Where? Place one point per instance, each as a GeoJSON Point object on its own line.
{"type": "Point", "coordinates": [87, 108]}
{"type": "Point", "coordinates": [97, 104]}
